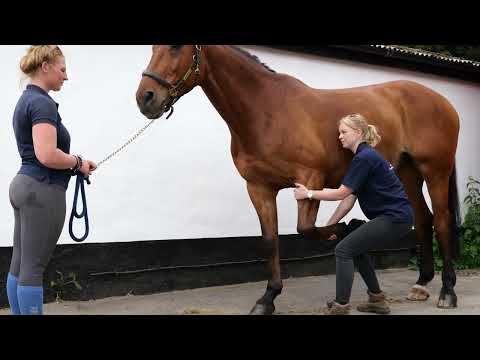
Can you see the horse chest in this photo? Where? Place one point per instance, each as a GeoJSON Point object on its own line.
{"type": "Point", "coordinates": [262, 170]}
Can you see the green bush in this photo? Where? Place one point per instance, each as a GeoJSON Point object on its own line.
{"type": "Point", "coordinates": [469, 234]}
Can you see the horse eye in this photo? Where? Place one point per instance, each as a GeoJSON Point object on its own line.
{"type": "Point", "coordinates": [175, 47]}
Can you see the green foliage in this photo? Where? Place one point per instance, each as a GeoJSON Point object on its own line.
{"type": "Point", "coordinates": [470, 230]}
{"type": "Point", "coordinates": [61, 282]}
{"type": "Point", "coordinates": [468, 52]}
{"type": "Point", "coordinates": [469, 234]}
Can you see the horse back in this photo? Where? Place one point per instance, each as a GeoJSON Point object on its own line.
{"type": "Point", "coordinates": [410, 118]}
{"type": "Point", "coordinates": [299, 138]}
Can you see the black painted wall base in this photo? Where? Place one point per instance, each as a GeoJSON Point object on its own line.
{"type": "Point", "coordinates": [145, 267]}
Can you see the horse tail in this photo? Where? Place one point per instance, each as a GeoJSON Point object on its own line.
{"type": "Point", "coordinates": [454, 207]}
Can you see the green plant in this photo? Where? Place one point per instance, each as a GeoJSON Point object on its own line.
{"type": "Point", "coordinates": [58, 286]}
{"type": "Point", "coordinates": [469, 234]}
{"type": "Point", "coordinates": [470, 229]}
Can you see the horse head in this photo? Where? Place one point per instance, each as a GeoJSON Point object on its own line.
{"type": "Point", "coordinates": [172, 72]}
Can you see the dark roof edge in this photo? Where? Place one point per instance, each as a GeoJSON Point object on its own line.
{"type": "Point", "coordinates": [393, 56]}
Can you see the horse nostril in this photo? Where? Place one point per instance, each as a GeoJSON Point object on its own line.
{"type": "Point", "coordinates": [148, 97]}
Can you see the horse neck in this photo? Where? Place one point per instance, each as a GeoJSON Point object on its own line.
{"type": "Point", "coordinates": [232, 83]}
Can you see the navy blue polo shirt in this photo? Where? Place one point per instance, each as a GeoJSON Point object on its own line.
{"type": "Point", "coordinates": [36, 106]}
{"type": "Point", "coordinates": [377, 187]}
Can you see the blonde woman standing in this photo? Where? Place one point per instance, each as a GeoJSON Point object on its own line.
{"type": "Point", "coordinates": [37, 192]}
{"type": "Point", "coordinates": [372, 180]}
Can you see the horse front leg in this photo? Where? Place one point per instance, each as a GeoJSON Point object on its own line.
{"type": "Point", "coordinates": [307, 216]}
{"type": "Point", "coordinates": [263, 198]}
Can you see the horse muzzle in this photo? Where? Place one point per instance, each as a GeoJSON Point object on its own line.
{"type": "Point", "coordinates": [151, 106]}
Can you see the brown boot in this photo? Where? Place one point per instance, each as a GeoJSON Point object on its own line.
{"type": "Point", "coordinates": [334, 308]}
{"type": "Point", "coordinates": [376, 304]}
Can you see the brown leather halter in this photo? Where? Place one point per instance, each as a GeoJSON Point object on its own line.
{"type": "Point", "coordinates": [174, 90]}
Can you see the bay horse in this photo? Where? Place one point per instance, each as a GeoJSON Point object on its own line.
{"type": "Point", "coordinates": [285, 132]}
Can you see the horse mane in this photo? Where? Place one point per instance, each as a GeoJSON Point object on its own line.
{"type": "Point", "coordinates": [251, 56]}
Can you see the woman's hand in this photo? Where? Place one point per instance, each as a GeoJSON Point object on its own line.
{"type": "Point", "coordinates": [300, 192]}
{"type": "Point", "coordinates": [93, 166]}
{"type": "Point", "coordinates": [87, 167]}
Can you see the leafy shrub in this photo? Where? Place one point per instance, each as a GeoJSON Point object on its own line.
{"type": "Point", "coordinates": [469, 234]}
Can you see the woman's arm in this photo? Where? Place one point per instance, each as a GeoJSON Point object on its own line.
{"type": "Point", "coordinates": [301, 192]}
{"type": "Point", "coordinates": [45, 146]}
{"type": "Point", "coordinates": [343, 209]}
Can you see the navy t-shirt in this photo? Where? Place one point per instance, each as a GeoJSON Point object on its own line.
{"type": "Point", "coordinates": [377, 187]}
{"type": "Point", "coordinates": [36, 106]}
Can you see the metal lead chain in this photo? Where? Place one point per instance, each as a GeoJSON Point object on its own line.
{"type": "Point", "coordinates": [127, 143]}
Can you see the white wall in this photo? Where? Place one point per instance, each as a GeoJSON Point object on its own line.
{"type": "Point", "coordinates": [178, 180]}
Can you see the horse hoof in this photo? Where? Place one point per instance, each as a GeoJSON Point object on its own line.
{"type": "Point", "coordinates": [418, 293]}
{"type": "Point", "coordinates": [447, 301]}
{"type": "Point", "coordinates": [262, 309]}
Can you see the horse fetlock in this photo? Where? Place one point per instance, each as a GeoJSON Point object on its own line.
{"type": "Point", "coordinates": [449, 279]}
{"type": "Point", "coordinates": [274, 290]}
{"type": "Point", "coordinates": [264, 305]}
{"type": "Point", "coordinates": [447, 290]}
{"type": "Point", "coordinates": [425, 277]}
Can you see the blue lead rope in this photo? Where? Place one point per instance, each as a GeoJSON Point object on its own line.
{"type": "Point", "coordinates": [79, 185]}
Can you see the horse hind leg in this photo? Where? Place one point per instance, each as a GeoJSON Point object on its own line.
{"type": "Point", "coordinates": [413, 183]}
{"type": "Point", "coordinates": [443, 217]}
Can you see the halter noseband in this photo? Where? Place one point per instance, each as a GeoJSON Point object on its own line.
{"type": "Point", "coordinates": [174, 90]}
